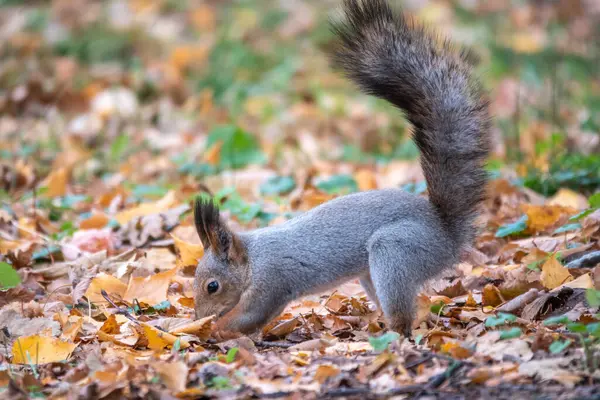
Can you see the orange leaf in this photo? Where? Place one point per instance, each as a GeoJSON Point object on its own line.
{"type": "Point", "coordinates": [109, 283]}
{"type": "Point", "coordinates": [150, 289]}
{"type": "Point", "coordinates": [95, 221]}
{"type": "Point", "coordinates": [187, 253]}
{"type": "Point", "coordinates": [541, 218]}
{"type": "Point", "coordinates": [56, 182]}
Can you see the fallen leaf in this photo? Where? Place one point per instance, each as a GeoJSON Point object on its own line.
{"type": "Point", "coordinates": [554, 274]}
{"type": "Point", "coordinates": [325, 371]}
{"type": "Point", "coordinates": [187, 253]}
{"type": "Point", "coordinates": [168, 201]}
{"type": "Point", "coordinates": [158, 340]}
{"type": "Point", "coordinates": [543, 218]}
{"type": "Point", "coordinates": [200, 328]}
{"type": "Point", "coordinates": [105, 282]}
{"type": "Point", "coordinates": [56, 183]}
{"type": "Point", "coordinates": [173, 374]}
{"type": "Point", "coordinates": [41, 350]}
{"type": "Point", "coordinates": [150, 289]}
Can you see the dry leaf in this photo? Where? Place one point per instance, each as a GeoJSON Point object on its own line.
{"type": "Point", "coordinates": [109, 283]}
{"type": "Point", "coordinates": [326, 371]}
{"type": "Point", "coordinates": [56, 182]}
{"type": "Point", "coordinates": [201, 328]}
{"type": "Point", "coordinates": [168, 201]}
{"type": "Point", "coordinates": [150, 289]}
{"type": "Point", "coordinates": [187, 253]}
{"type": "Point", "coordinates": [41, 350]}
{"type": "Point", "coordinates": [173, 374]}
{"type": "Point", "coordinates": [554, 274]}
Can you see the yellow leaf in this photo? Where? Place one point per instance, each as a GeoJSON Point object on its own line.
{"type": "Point", "coordinates": [582, 282]}
{"type": "Point", "coordinates": [150, 289]}
{"type": "Point", "coordinates": [109, 283]}
{"type": "Point", "coordinates": [568, 198]}
{"type": "Point", "coordinates": [41, 350]}
{"type": "Point", "coordinates": [187, 253]}
{"type": "Point", "coordinates": [168, 201]}
{"type": "Point", "coordinates": [554, 274]}
{"type": "Point", "coordinates": [56, 182]}
{"type": "Point", "coordinates": [7, 246]}
{"type": "Point", "coordinates": [158, 340]}
{"type": "Point", "coordinates": [541, 218]}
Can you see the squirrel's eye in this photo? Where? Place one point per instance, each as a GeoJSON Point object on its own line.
{"type": "Point", "coordinates": [212, 287]}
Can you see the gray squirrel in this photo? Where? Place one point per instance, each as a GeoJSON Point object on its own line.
{"type": "Point", "coordinates": [391, 240]}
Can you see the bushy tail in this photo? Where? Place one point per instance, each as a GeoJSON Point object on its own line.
{"type": "Point", "coordinates": [388, 56]}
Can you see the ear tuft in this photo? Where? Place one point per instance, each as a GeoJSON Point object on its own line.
{"type": "Point", "coordinates": [208, 222]}
{"type": "Point", "coordinates": [215, 235]}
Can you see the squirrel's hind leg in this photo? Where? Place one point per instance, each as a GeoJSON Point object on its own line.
{"type": "Point", "coordinates": [402, 256]}
{"type": "Point", "coordinates": [367, 284]}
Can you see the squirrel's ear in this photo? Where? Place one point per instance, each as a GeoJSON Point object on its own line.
{"type": "Point", "coordinates": [215, 234]}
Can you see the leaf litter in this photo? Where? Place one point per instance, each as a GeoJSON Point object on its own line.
{"type": "Point", "coordinates": [97, 243]}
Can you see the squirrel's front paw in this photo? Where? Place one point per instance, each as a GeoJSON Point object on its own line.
{"type": "Point", "coordinates": [222, 335]}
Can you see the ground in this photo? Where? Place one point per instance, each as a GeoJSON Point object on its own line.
{"type": "Point", "coordinates": [115, 116]}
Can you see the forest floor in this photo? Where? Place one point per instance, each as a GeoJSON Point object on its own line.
{"type": "Point", "coordinates": [115, 115]}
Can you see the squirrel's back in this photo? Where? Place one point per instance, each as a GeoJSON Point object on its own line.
{"type": "Point", "coordinates": [388, 56]}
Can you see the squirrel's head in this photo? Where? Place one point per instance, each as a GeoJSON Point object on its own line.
{"type": "Point", "coordinates": [222, 273]}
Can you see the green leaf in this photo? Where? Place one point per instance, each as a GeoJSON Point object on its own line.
{"type": "Point", "coordinates": [45, 252]}
{"type": "Point", "coordinates": [582, 214]}
{"type": "Point", "coordinates": [231, 353]}
{"type": "Point", "coordinates": [382, 342]}
{"type": "Point", "coordinates": [278, 185]}
{"type": "Point", "coordinates": [119, 147]}
{"type": "Point", "coordinates": [593, 297]}
{"type": "Point", "coordinates": [162, 306]}
{"type": "Point", "coordinates": [594, 329]}
{"type": "Point", "coordinates": [500, 319]}
{"type": "Point", "coordinates": [338, 184]}
{"type": "Point", "coordinates": [436, 308]}
{"type": "Point", "coordinates": [511, 333]}
{"type": "Point", "coordinates": [513, 228]}
{"type": "Point", "coordinates": [595, 200]}
{"type": "Point", "coordinates": [568, 228]}
{"type": "Point", "coordinates": [576, 327]}
{"type": "Point", "coordinates": [558, 346]}
{"type": "Point", "coordinates": [220, 382]}
{"type": "Point", "coordinates": [8, 276]}
{"type": "Point", "coordinates": [558, 320]}
{"type": "Point", "coordinates": [238, 147]}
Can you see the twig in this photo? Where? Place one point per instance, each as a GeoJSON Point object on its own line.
{"type": "Point", "coordinates": [281, 345]}
{"type": "Point", "coordinates": [122, 311]}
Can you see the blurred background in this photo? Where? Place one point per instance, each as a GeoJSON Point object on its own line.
{"type": "Point", "coordinates": [134, 98]}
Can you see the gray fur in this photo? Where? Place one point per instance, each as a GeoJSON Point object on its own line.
{"type": "Point", "coordinates": [391, 240]}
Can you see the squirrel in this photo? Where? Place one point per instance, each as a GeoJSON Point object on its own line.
{"type": "Point", "coordinates": [391, 240]}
